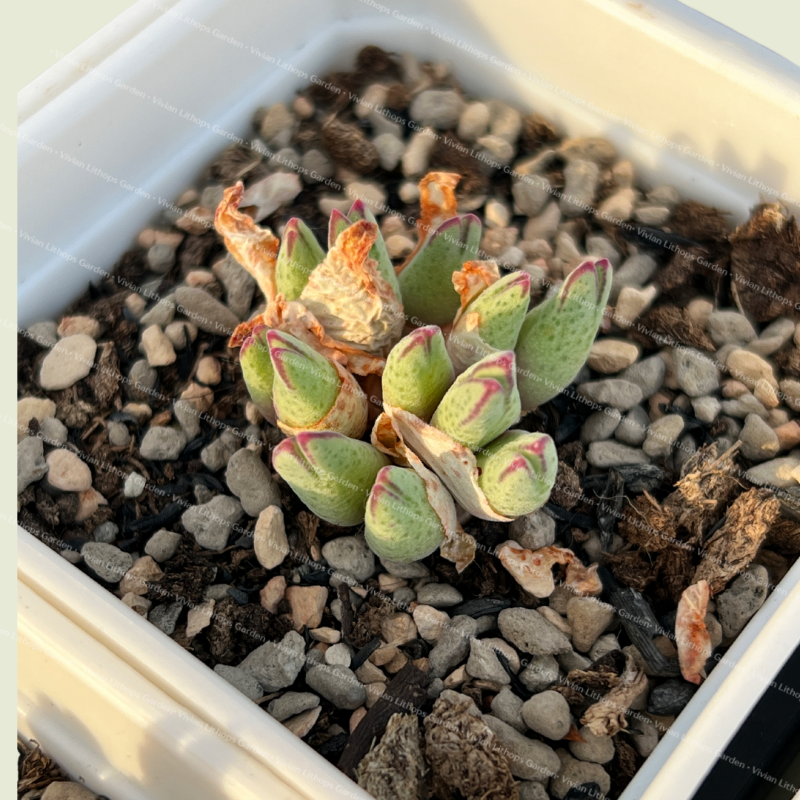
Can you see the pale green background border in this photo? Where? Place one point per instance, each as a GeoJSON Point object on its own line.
{"type": "Point", "coordinates": [35, 32]}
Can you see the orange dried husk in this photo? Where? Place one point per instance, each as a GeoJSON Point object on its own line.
{"type": "Point", "coordinates": [437, 203]}
{"type": "Point", "coordinates": [347, 416]}
{"type": "Point", "coordinates": [255, 248]}
{"type": "Point", "coordinates": [350, 298]}
{"type": "Point", "coordinates": [451, 461]}
{"type": "Point", "coordinates": [472, 279]}
{"type": "Point", "coordinates": [533, 570]}
{"type": "Point", "coordinates": [691, 634]}
{"type": "Point", "coordinates": [458, 547]}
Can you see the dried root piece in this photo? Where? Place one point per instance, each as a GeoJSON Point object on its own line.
{"type": "Point", "coordinates": [463, 754]}
{"type": "Point", "coordinates": [735, 544]}
{"type": "Point", "coordinates": [691, 634]}
{"type": "Point", "coordinates": [393, 769]}
{"type": "Point", "coordinates": [784, 536]}
{"type": "Point", "coordinates": [648, 524]}
{"type": "Point", "coordinates": [607, 716]}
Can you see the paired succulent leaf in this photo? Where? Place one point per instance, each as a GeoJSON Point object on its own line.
{"type": "Point", "coordinates": [482, 402]}
{"type": "Point", "coordinates": [491, 321]}
{"type": "Point", "coordinates": [426, 282]}
{"type": "Point", "coordinates": [556, 336]}
{"type": "Point", "coordinates": [299, 255]}
{"type": "Point", "coordinates": [418, 372]}
{"type": "Point", "coordinates": [310, 392]}
{"type": "Point", "coordinates": [331, 473]}
{"type": "Point", "coordinates": [400, 522]}
{"type": "Point", "coordinates": [517, 472]}
{"type": "Point", "coordinates": [258, 371]}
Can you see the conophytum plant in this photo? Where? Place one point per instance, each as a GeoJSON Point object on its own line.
{"type": "Point", "coordinates": [460, 357]}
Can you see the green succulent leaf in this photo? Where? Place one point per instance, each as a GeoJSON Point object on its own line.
{"type": "Point", "coordinates": [331, 473]}
{"type": "Point", "coordinates": [482, 402]}
{"type": "Point", "coordinates": [427, 281]}
{"type": "Point", "coordinates": [306, 383]}
{"type": "Point", "coordinates": [400, 523]}
{"type": "Point", "coordinates": [557, 335]}
{"type": "Point", "coordinates": [418, 372]}
{"type": "Point", "coordinates": [517, 472]}
{"type": "Point", "coordinates": [491, 322]}
{"type": "Point", "coordinates": [258, 371]}
{"type": "Point", "coordinates": [298, 257]}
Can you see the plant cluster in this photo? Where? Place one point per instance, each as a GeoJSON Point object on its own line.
{"type": "Point", "coordinates": [473, 359]}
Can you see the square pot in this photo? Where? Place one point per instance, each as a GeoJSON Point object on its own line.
{"type": "Point", "coordinates": [118, 129]}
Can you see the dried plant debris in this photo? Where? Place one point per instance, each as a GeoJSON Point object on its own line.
{"type": "Point", "coordinates": [784, 536]}
{"type": "Point", "coordinates": [35, 771]}
{"type": "Point", "coordinates": [607, 716]}
{"type": "Point", "coordinates": [463, 754]}
{"type": "Point", "coordinates": [765, 263]}
{"type": "Point", "coordinates": [691, 634]}
{"type": "Point", "coordinates": [731, 549]}
{"type": "Point", "coordinates": [394, 768]}
{"type": "Point", "coordinates": [709, 485]}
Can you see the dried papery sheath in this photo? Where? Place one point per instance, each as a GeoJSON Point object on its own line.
{"type": "Point", "coordinates": [556, 336]}
{"type": "Point", "coordinates": [691, 635]}
{"type": "Point", "coordinates": [395, 768]}
{"type": "Point", "coordinates": [482, 402]}
{"type": "Point", "coordinates": [310, 392]}
{"type": "Point", "coordinates": [400, 523]}
{"type": "Point", "coordinates": [256, 249]}
{"type": "Point", "coordinates": [426, 282]}
{"type": "Point", "coordinates": [418, 372]}
{"type": "Point", "coordinates": [331, 473]}
{"type": "Point", "coordinates": [533, 569]}
{"type": "Point", "coordinates": [457, 546]}
{"type": "Point", "coordinates": [464, 754]}
{"type": "Point", "coordinates": [296, 319]}
{"type": "Point", "coordinates": [491, 320]}
{"type": "Point", "coordinates": [378, 252]}
{"type": "Point", "coordinates": [452, 462]}
{"type": "Point", "coordinates": [258, 371]}
{"type": "Point", "coordinates": [299, 255]}
{"type": "Point", "coordinates": [518, 471]}
{"type": "Point", "coordinates": [607, 716]}
{"type": "Point", "coordinates": [437, 203]}
{"type": "Point", "coordinates": [350, 298]}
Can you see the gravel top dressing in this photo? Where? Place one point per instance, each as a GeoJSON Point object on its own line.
{"type": "Point", "coordinates": [496, 652]}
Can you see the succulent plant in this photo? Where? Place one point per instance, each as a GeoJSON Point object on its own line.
{"type": "Point", "coordinates": [473, 359]}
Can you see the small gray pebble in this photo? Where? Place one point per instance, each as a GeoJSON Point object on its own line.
{"type": "Point", "coordinates": [162, 444]}
{"type": "Point", "coordinates": [351, 555]}
{"type": "Point", "coordinates": [338, 684]}
{"type": "Point", "coordinates": [291, 704]}
{"type": "Point", "coordinates": [105, 533]}
{"type": "Point", "coordinates": [162, 545]}
{"type": "Point", "coordinates": [118, 434]}
{"type": "Point", "coordinates": [109, 563]}
{"type": "Point", "coordinates": [241, 680]}
{"type": "Point", "coordinates": [165, 617]}
{"type": "Point", "coordinates": [439, 595]}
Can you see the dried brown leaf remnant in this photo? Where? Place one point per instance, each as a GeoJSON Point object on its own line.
{"type": "Point", "coordinates": [463, 755]}
{"type": "Point", "coordinates": [393, 769]}
{"type": "Point", "coordinates": [532, 570]}
{"type": "Point", "coordinates": [691, 634]}
{"type": "Point", "coordinates": [731, 549]}
{"type": "Point", "coordinates": [670, 325]}
{"type": "Point", "coordinates": [35, 771]}
{"type": "Point", "coordinates": [765, 255]}
{"type": "Point", "coordinates": [709, 485]}
{"type": "Point", "coordinates": [607, 716]}
{"type": "Point", "coordinates": [784, 536]}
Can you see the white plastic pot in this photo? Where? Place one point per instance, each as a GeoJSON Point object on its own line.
{"type": "Point", "coordinates": [135, 115]}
